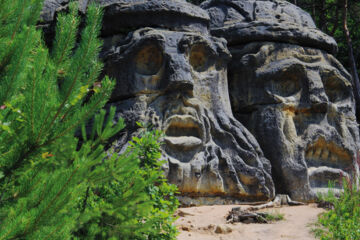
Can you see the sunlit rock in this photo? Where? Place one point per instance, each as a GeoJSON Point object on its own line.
{"type": "Point", "coordinates": [290, 92]}
{"type": "Point", "coordinates": [172, 74]}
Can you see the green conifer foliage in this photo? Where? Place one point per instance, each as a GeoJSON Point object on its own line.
{"type": "Point", "coordinates": [49, 88]}
{"type": "Point", "coordinates": [52, 186]}
{"type": "Point", "coordinates": [138, 205]}
{"type": "Point", "coordinates": [42, 103]}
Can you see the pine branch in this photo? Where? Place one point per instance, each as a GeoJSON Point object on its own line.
{"type": "Point", "coordinates": [52, 201]}
{"type": "Point", "coordinates": [82, 119]}
{"type": "Point", "coordinates": [85, 50]}
{"type": "Point", "coordinates": [54, 231]}
{"type": "Point", "coordinates": [17, 68]}
{"type": "Point", "coordinates": [94, 73]}
{"type": "Point", "coordinates": [62, 49]}
{"type": "Point", "coordinates": [18, 21]}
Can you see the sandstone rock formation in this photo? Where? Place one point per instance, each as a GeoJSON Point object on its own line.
{"type": "Point", "coordinates": [290, 92]}
{"type": "Point", "coordinates": [172, 74]}
{"type": "Point", "coordinates": [285, 86]}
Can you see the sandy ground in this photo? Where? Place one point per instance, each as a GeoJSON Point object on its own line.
{"type": "Point", "coordinates": [200, 223]}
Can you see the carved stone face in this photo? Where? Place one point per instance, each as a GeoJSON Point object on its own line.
{"type": "Point", "coordinates": [298, 103]}
{"type": "Point", "coordinates": [177, 82]}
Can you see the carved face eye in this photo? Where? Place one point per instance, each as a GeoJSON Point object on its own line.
{"type": "Point", "coordinates": [335, 86]}
{"type": "Point", "coordinates": [199, 59]}
{"type": "Point", "coordinates": [148, 60]}
{"type": "Point", "coordinates": [285, 84]}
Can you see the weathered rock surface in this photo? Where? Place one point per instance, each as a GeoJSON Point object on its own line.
{"type": "Point", "coordinates": [172, 74]}
{"type": "Point", "coordinates": [244, 21]}
{"type": "Point", "coordinates": [122, 16]}
{"type": "Point", "coordinates": [51, 8]}
{"type": "Point", "coordinates": [181, 77]}
{"type": "Point", "coordinates": [290, 92]}
{"type": "Point", "coordinates": [285, 86]}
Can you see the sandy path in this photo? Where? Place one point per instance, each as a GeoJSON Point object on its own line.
{"type": "Point", "coordinates": [200, 222]}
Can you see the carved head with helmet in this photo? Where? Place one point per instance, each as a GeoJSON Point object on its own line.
{"type": "Point", "coordinates": [290, 91]}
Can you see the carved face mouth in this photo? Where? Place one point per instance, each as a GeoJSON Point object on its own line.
{"type": "Point", "coordinates": [183, 132]}
{"type": "Point", "coordinates": [327, 162]}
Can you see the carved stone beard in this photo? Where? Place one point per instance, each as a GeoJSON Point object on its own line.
{"type": "Point", "coordinates": [210, 156]}
{"type": "Point", "coordinates": [298, 103]}
{"type": "Point", "coordinates": [304, 164]}
{"type": "Point", "coordinates": [215, 156]}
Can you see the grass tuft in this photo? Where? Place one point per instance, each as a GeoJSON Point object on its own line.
{"type": "Point", "coordinates": [274, 216]}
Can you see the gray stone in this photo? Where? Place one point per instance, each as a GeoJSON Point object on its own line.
{"type": "Point", "coordinates": [285, 86]}
{"type": "Point", "coordinates": [176, 14]}
{"type": "Point", "coordinates": [172, 74]}
{"type": "Point", "coordinates": [51, 7]}
{"type": "Point", "coordinates": [223, 229]}
{"type": "Point", "coordinates": [244, 21]}
{"type": "Point", "coordinates": [181, 78]}
{"type": "Point", "coordinates": [295, 97]}
{"type": "Point", "coordinates": [122, 16]}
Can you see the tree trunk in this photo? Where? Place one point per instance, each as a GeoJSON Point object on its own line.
{"type": "Point", "coordinates": [314, 11]}
{"type": "Point", "coordinates": [322, 17]}
{"type": "Point", "coordinates": [336, 19]}
{"type": "Point", "coordinates": [355, 76]}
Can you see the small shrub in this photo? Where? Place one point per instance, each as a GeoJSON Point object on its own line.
{"type": "Point", "coordinates": [138, 205]}
{"type": "Point", "coordinates": [343, 221]}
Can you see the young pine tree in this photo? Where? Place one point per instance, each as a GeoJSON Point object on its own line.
{"type": "Point", "coordinates": [52, 187]}
{"type": "Point", "coordinates": [42, 103]}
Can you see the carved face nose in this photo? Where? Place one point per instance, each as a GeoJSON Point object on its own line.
{"type": "Point", "coordinates": [179, 75]}
{"type": "Point", "coordinates": [317, 95]}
